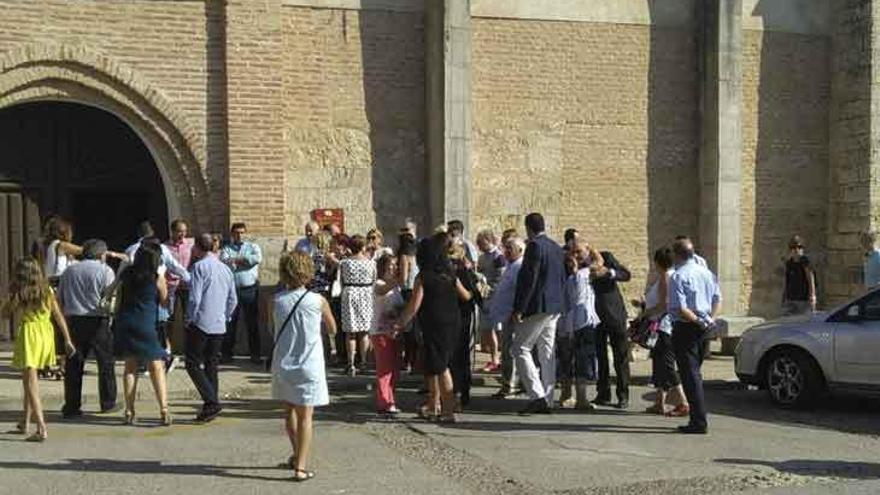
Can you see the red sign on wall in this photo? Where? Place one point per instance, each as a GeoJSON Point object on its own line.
{"type": "Point", "coordinates": [329, 216]}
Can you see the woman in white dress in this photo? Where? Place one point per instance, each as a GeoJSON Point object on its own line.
{"type": "Point", "coordinates": [357, 274]}
{"type": "Point", "coordinates": [298, 375]}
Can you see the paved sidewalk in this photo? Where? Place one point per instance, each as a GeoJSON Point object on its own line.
{"type": "Point", "coordinates": [243, 379]}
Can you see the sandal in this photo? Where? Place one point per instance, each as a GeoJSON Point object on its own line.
{"type": "Point", "coordinates": [166, 417]}
{"type": "Point", "coordinates": [679, 412]}
{"type": "Point", "coordinates": [656, 409]}
{"type": "Point", "coordinates": [300, 475]}
{"type": "Point", "coordinates": [447, 419]}
{"type": "Point", "coordinates": [290, 463]}
{"type": "Point", "coordinates": [128, 418]}
{"type": "Point", "coordinates": [38, 437]}
{"type": "Point", "coordinates": [428, 413]}
{"type": "Point", "coordinates": [20, 428]}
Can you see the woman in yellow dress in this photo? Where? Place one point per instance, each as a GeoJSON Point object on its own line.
{"type": "Point", "coordinates": [33, 302]}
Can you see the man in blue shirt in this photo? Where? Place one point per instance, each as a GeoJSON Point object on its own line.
{"type": "Point", "coordinates": [694, 301]}
{"type": "Point", "coordinates": [212, 301]}
{"type": "Point", "coordinates": [500, 311]}
{"type": "Point", "coordinates": [244, 258]}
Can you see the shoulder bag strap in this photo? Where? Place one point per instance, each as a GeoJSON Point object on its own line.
{"type": "Point", "coordinates": [289, 316]}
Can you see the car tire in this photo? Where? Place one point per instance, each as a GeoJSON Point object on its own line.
{"type": "Point", "coordinates": [792, 379]}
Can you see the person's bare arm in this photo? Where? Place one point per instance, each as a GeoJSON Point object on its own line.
{"type": "Point", "coordinates": [61, 322]}
{"type": "Point", "coordinates": [415, 302]}
{"type": "Point", "coordinates": [662, 292]}
{"type": "Point", "coordinates": [403, 272]}
{"type": "Point", "coordinates": [327, 317]}
{"type": "Point", "coordinates": [162, 286]}
{"type": "Point", "coordinates": [811, 281]}
{"type": "Point", "coordinates": [69, 248]}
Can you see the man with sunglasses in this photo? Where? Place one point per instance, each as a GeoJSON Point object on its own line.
{"type": "Point", "coordinates": [799, 292]}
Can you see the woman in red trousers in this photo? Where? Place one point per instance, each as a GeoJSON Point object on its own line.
{"type": "Point", "coordinates": [388, 304]}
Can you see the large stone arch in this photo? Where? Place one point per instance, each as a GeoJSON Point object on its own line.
{"type": "Point", "coordinates": [79, 75]}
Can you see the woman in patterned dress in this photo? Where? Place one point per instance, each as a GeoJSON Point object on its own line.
{"type": "Point", "coordinates": [357, 274]}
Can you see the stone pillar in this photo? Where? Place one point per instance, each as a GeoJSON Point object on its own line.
{"type": "Point", "coordinates": [854, 165]}
{"type": "Point", "coordinates": [721, 145]}
{"type": "Point", "coordinates": [448, 109]}
{"type": "Point", "coordinates": [257, 182]}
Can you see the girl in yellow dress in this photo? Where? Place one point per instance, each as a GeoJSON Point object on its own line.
{"type": "Point", "coordinates": [32, 301]}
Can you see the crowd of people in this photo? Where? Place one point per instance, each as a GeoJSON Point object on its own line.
{"type": "Point", "coordinates": [544, 312]}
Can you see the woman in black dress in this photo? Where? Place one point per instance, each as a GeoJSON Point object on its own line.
{"type": "Point", "coordinates": [435, 299]}
{"type": "Point", "coordinates": [463, 344]}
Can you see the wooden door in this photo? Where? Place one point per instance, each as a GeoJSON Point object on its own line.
{"type": "Point", "coordinates": [19, 230]}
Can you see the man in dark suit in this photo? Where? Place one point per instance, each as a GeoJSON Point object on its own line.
{"type": "Point", "coordinates": [536, 308]}
{"type": "Point", "coordinates": [612, 329]}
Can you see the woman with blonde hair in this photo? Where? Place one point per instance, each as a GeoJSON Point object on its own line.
{"type": "Point", "coordinates": [32, 301]}
{"type": "Point", "coordinates": [298, 375]}
{"type": "Point", "coordinates": [376, 245]}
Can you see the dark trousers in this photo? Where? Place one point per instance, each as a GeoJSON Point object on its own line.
{"type": "Point", "coordinates": [460, 367]}
{"type": "Point", "coordinates": [339, 338]}
{"type": "Point", "coordinates": [614, 334]}
{"type": "Point", "coordinates": [89, 333]}
{"type": "Point", "coordinates": [202, 358]}
{"type": "Point", "coordinates": [687, 341]}
{"type": "Point", "coordinates": [249, 304]}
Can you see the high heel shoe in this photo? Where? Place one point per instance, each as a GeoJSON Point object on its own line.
{"type": "Point", "coordinates": [128, 419]}
{"type": "Point", "coordinates": [39, 437]}
{"type": "Point", "coordinates": [166, 417]}
{"type": "Point", "coordinates": [428, 413]}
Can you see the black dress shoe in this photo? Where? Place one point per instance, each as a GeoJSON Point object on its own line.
{"type": "Point", "coordinates": [537, 406]}
{"type": "Point", "coordinates": [208, 414]}
{"type": "Point", "coordinates": [622, 405]}
{"type": "Point", "coordinates": [71, 414]}
{"type": "Point", "coordinates": [602, 401]}
{"type": "Point", "coordinates": [693, 430]}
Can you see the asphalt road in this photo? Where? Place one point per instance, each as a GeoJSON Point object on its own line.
{"type": "Point", "coordinates": [752, 448]}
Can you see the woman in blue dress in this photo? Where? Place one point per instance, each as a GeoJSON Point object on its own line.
{"type": "Point", "coordinates": [134, 327]}
{"type": "Point", "coordinates": [298, 374]}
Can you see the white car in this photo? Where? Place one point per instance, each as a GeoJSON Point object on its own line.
{"type": "Point", "coordinates": [798, 359]}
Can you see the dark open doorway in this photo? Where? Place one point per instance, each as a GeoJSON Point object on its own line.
{"type": "Point", "coordinates": [77, 161]}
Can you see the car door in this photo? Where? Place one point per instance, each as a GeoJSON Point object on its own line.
{"type": "Point", "coordinates": [857, 342]}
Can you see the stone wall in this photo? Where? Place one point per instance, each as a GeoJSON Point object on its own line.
{"type": "Point", "coordinates": [593, 124]}
{"type": "Point", "coordinates": [853, 165]}
{"type": "Point", "coordinates": [354, 115]}
{"type": "Point", "coordinates": [785, 158]}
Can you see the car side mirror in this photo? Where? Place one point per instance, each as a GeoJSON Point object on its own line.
{"type": "Point", "coordinates": [853, 312]}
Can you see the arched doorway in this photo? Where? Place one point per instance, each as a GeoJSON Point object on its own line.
{"type": "Point", "coordinates": [82, 163]}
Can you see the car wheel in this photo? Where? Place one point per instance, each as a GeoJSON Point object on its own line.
{"type": "Point", "coordinates": [792, 379]}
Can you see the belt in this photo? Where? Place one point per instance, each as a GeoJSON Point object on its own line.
{"type": "Point", "coordinates": [357, 285]}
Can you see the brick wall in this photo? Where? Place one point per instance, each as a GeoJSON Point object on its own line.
{"type": "Point", "coordinates": [256, 152]}
{"type": "Point", "coordinates": [593, 124]}
{"type": "Point", "coordinates": [785, 158]}
{"type": "Point", "coordinates": [354, 115]}
{"type": "Point", "coordinates": [165, 43]}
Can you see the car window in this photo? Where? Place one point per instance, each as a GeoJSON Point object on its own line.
{"type": "Point", "coordinates": [871, 307]}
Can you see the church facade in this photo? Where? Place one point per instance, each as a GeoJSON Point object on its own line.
{"type": "Point", "coordinates": [739, 123]}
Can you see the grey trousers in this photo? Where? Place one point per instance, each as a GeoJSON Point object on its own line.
{"type": "Point", "coordinates": [509, 378]}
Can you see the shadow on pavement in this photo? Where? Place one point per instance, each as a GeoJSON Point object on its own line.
{"type": "Point", "coordinates": [141, 467]}
{"type": "Point", "coordinates": [845, 414]}
{"type": "Point", "coordinates": [814, 467]}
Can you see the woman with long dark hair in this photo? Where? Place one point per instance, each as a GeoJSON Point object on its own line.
{"type": "Point", "coordinates": [134, 327]}
{"type": "Point", "coordinates": [435, 298]}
